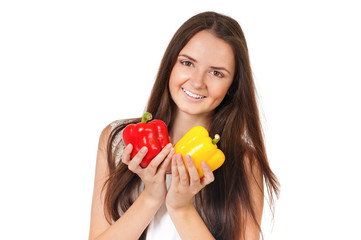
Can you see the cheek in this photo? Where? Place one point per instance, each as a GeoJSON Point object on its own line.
{"type": "Point", "coordinates": [219, 91]}
{"type": "Point", "coordinates": [172, 81]}
{"type": "Point", "coordinates": [174, 78]}
{"type": "Point", "coordinates": [179, 75]}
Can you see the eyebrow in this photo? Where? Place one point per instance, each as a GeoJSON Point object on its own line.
{"type": "Point", "coordinates": [214, 67]}
{"type": "Point", "coordinates": [190, 58]}
{"type": "Point", "coordinates": [220, 68]}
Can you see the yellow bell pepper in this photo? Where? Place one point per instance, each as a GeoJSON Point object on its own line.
{"type": "Point", "coordinates": [197, 143]}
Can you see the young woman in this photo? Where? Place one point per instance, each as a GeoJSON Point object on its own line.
{"type": "Point", "coordinates": [204, 79]}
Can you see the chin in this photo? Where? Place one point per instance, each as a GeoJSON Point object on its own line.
{"type": "Point", "coordinates": [193, 111]}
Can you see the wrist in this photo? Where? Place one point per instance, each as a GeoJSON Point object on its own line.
{"type": "Point", "coordinates": [179, 210]}
{"type": "Point", "coordinates": [151, 200]}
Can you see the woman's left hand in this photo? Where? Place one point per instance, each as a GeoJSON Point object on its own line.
{"type": "Point", "coordinates": [184, 186]}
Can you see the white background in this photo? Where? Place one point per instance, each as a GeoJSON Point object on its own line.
{"type": "Point", "coordinates": [68, 68]}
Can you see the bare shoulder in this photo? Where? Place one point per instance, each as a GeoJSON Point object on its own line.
{"type": "Point", "coordinates": [253, 170]}
{"type": "Point", "coordinates": [104, 136]}
{"type": "Point", "coordinates": [251, 163]}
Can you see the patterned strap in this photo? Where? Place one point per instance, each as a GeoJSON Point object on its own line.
{"type": "Point", "coordinates": [117, 144]}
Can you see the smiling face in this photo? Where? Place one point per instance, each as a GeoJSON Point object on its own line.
{"type": "Point", "coordinates": [202, 74]}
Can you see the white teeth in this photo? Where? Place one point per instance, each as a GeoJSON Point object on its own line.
{"type": "Point", "coordinates": [192, 94]}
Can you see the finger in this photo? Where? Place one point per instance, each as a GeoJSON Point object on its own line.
{"type": "Point", "coordinates": [164, 165]}
{"type": "Point", "coordinates": [183, 175]}
{"type": "Point", "coordinates": [153, 165]}
{"type": "Point", "coordinates": [175, 173]}
{"type": "Point", "coordinates": [134, 163]}
{"type": "Point", "coordinates": [192, 170]}
{"type": "Point", "coordinates": [126, 154]}
{"type": "Point", "coordinates": [208, 174]}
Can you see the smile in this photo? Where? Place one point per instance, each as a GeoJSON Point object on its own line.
{"type": "Point", "coordinates": [193, 95]}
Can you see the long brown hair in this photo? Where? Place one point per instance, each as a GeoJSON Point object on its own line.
{"type": "Point", "coordinates": [225, 203]}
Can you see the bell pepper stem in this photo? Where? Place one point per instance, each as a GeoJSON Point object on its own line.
{"type": "Point", "coordinates": [216, 139]}
{"type": "Point", "coordinates": [146, 117]}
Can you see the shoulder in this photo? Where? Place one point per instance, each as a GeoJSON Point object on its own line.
{"type": "Point", "coordinates": [253, 168]}
{"type": "Point", "coordinates": [104, 136]}
{"type": "Point", "coordinates": [112, 134]}
{"type": "Point", "coordinates": [115, 129]}
{"type": "Point", "coordinates": [109, 130]}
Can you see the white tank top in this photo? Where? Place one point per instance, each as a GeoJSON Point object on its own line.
{"type": "Point", "coordinates": [161, 227]}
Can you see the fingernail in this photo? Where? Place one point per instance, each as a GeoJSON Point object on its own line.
{"type": "Point", "coordinates": [168, 146]}
{"type": "Point", "coordinates": [144, 150]}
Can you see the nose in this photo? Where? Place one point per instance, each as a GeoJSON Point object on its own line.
{"type": "Point", "coordinates": [198, 79]}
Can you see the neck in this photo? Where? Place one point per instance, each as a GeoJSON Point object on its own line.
{"type": "Point", "coordinates": [183, 122]}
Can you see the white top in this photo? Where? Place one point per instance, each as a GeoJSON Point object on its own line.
{"type": "Point", "coordinates": [161, 227]}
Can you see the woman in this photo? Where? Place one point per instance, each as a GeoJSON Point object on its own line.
{"type": "Point", "coordinates": [204, 79]}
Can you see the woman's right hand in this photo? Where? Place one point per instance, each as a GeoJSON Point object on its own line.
{"type": "Point", "coordinates": [153, 176]}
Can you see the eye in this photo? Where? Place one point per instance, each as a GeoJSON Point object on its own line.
{"type": "Point", "coordinates": [187, 63]}
{"type": "Point", "coordinates": [217, 74]}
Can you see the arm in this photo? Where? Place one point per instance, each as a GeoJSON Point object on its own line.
{"type": "Point", "coordinates": [189, 224]}
{"type": "Point", "coordinates": [183, 213]}
{"type": "Point", "coordinates": [185, 217]}
{"type": "Point", "coordinates": [255, 178]}
{"type": "Point", "coordinates": [133, 222]}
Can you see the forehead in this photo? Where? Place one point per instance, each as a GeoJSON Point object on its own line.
{"type": "Point", "coordinates": [209, 49]}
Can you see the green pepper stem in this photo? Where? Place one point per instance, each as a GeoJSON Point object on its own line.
{"type": "Point", "coordinates": [146, 117]}
{"type": "Point", "coordinates": [216, 139]}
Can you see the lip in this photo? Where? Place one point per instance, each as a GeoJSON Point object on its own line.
{"type": "Point", "coordinates": [191, 98]}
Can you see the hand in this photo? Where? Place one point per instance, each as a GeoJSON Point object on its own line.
{"type": "Point", "coordinates": [153, 176]}
{"type": "Point", "coordinates": [184, 186]}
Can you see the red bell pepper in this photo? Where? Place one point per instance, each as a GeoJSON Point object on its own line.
{"type": "Point", "coordinates": [153, 135]}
